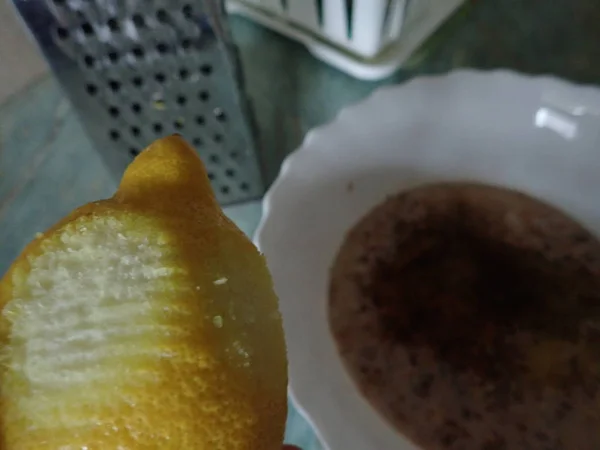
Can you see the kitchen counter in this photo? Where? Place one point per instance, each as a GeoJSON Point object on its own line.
{"type": "Point", "coordinates": [48, 166]}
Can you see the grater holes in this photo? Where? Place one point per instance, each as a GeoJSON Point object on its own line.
{"type": "Point", "coordinates": [114, 85]}
{"type": "Point", "coordinates": [133, 152]}
{"type": "Point", "coordinates": [220, 115]}
{"type": "Point", "coordinates": [211, 176]}
{"type": "Point", "coordinates": [187, 11]}
{"type": "Point", "coordinates": [113, 25]}
{"type": "Point", "coordinates": [245, 187]}
{"type": "Point", "coordinates": [114, 135]}
{"type": "Point", "coordinates": [162, 48]}
{"type": "Point", "coordinates": [218, 138]}
{"type": "Point", "coordinates": [230, 173]}
{"type": "Point", "coordinates": [160, 77]}
{"type": "Point", "coordinates": [138, 52]}
{"type": "Point", "coordinates": [137, 81]}
{"type": "Point", "coordinates": [62, 33]}
{"type": "Point", "coordinates": [159, 103]}
{"type": "Point", "coordinates": [113, 55]}
{"type": "Point", "coordinates": [80, 15]}
{"type": "Point", "coordinates": [157, 127]}
{"type": "Point", "coordinates": [197, 142]}
{"type": "Point", "coordinates": [181, 100]}
{"type": "Point", "coordinates": [162, 16]}
{"type": "Point", "coordinates": [114, 111]}
{"type": "Point", "coordinates": [87, 28]}
{"type": "Point", "coordinates": [184, 74]}
{"type": "Point", "coordinates": [225, 190]}
{"type": "Point", "coordinates": [234, 155]}
{"type": "Point", "coordinates": [135, 131]}
{"type": "Point", "coordinates": [203, 96]}
{"type": "Point", "coordinates": [91, 89]}
{"type": "Point", "coordinates": [136, 108]}
{"type": "Point", "coordinates": [138, 20]}
{"type": "Point", "coordinates": [206, 69]}
{"type": "Point", "coordinates": [89, 60]}
{"type": "Point", "coordinates": [178, 124]}
{"type": "Point", "coordinates": [186, 44]}
{"type": "Point", "coordinates": [213, 158]}
{"type": "Point", "coordinates": [200, 120]}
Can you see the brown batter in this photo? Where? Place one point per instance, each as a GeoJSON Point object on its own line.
{"type": "Point", "coordinates": [470, 317]}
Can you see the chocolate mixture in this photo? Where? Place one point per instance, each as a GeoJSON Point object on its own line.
{"type": "Point", "coordinates": [470, 317]}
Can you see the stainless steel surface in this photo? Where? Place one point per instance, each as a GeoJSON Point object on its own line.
{"type": "Point", "coordinates": [136, 70]}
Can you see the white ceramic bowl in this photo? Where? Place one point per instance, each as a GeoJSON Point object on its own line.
{"type": "Point", "coordinates": [538, 135]}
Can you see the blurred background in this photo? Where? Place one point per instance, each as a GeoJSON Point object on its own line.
{"type": "Point", "coordinates": [20, 61]}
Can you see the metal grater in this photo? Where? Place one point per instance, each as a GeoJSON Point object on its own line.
{"type": "Point", "coordinates": [136, 70]}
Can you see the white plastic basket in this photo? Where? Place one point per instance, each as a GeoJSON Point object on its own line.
{"type": "Point", "coordinates": [368, 39]}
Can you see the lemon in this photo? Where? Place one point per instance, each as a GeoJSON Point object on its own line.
{"type": "Point", "coordinates": [145, 321]}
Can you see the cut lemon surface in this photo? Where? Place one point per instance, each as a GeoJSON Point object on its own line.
{"type": "Point", "coordinates": [146, 321]}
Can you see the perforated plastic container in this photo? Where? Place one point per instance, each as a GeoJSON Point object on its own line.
{"type": "Point", "coordinates": [368, 39]}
